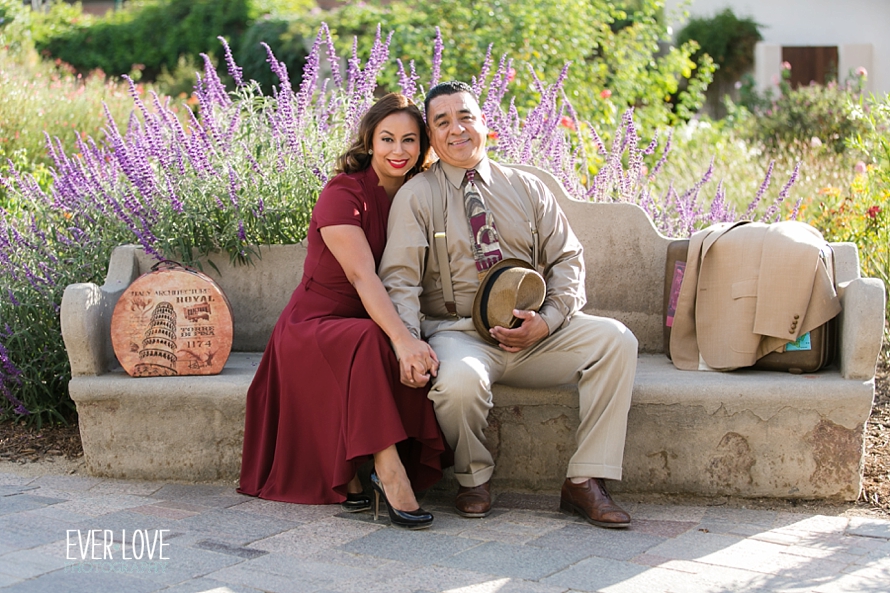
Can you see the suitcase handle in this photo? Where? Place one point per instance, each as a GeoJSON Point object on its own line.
{"type": "Point", "coordinates": [169, 264]}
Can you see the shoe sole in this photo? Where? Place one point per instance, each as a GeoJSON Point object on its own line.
{"type": "Point", "coordinates": [472, 515]}
{"type": "Point", "coordinates": [355, 509]}
{"type": "Point", "coordinates": [571, 509]}
{"type": "Point", "coordinates": [413, 527]}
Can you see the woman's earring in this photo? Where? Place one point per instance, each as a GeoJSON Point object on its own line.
{"type": "Point", "coordinates": [371, 151]}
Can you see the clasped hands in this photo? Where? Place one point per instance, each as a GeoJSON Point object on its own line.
{"type": "Point", "coordinates": [418, 363]}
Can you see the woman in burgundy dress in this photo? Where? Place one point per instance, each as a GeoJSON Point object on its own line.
{"type": "Point", "coordinates": [331, 392]}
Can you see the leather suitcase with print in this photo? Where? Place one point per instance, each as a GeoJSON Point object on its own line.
{"type": "Point", "coordinates": [811, 352]}
{"type": "Point", "coordinates": [172, 321]}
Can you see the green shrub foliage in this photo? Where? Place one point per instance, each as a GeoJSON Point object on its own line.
{"type": "Point", "coordinates": [728, 39]}
{"type": "Point", "coordinates": [152, 33]}
{"type": "Point", "coordinates": [815, 113]}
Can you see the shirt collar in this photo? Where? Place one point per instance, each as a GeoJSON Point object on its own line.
{"type": "Point", "coordinates": [456, 175]}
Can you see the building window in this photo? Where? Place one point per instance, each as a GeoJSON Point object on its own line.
{"type": "Point", "coordinates": [811, 64]}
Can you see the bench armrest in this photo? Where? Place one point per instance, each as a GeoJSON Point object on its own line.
{"type": "Point", "coordinates": [861, 326]}
{"type": "Point", "coordinates": [86, 314]}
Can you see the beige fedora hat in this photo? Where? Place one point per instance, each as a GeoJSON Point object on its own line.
{"type": "Point", "coordinates": [509, 284]}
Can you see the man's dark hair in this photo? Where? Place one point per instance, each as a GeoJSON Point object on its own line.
{"type": "Point", "coordinates": [452, 87]}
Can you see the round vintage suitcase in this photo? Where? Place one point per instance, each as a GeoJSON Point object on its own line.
{"type": "Point", "coordinates": [172, 320]}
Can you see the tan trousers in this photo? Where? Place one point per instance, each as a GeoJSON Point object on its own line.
{"type": "Point", "coordinates": [597, 353]}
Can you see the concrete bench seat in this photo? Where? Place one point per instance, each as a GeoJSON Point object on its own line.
{"type": "Point", "coordinates": [745, 433]}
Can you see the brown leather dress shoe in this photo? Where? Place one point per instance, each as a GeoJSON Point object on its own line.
{"type": "Point", "coordinates": [473, 502]}
{"type": "Point", "coordinates": [591, 500]}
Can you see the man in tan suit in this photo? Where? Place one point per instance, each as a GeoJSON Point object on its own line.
{"type": "Point", "coordinates": [749, 289]}
{"type": "Point", "coordinates": [492, 213]}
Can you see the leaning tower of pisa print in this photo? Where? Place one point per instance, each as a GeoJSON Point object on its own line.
{"type": "Point", "coordinates": [157, 357]}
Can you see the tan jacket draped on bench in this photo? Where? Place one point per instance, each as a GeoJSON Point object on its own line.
{"type": "Point", "coordinates": [749, 288]}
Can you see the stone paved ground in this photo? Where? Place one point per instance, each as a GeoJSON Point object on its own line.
{"type": "Point", "coordinates": [214, 540]}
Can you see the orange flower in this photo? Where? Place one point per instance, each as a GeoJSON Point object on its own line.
{"type": "Point", "coordinates": [605, 93]}
{"type": "Point", "coordinates": [567, 122]}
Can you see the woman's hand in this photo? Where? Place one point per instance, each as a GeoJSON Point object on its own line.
{"type": "Point", "coordinates": [417, 361]}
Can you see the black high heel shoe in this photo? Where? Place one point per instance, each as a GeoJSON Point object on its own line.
{"type": "Point", "coordinates": [356, 502]}
{"type": "Point", "coordinates": [419, 519]}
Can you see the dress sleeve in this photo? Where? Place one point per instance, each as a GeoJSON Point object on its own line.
{"type": "Point", "coordinates": [340, 202]}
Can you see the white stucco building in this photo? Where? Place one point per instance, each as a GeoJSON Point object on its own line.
{"type": "Point", "coordinates": [815, 32]}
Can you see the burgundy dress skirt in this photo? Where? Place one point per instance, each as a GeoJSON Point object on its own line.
{"type": "Point", "coordinates": [327, 394]}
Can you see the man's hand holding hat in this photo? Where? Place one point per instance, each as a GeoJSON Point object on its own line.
{"type": "Point", "coordinates": [533, 330]}
{"type": "Point", "coordinates": [506, 304]}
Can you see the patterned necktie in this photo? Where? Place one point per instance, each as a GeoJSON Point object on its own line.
{"type": "Point", "coordinates": [483, 232]}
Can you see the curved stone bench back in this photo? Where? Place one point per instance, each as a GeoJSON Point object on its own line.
{"type": "Point", "coordinates": [623, 251]}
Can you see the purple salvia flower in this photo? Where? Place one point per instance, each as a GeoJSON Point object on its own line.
{"type": "Point", "coordinates": [310, 80]}
{"type": "Point", "coordinates": [796, 211]}
{"type": "Point", "coordinates": [414, 77]}
{"type": "Point", "coordinates": [254, 165]}
{"type": "Point", "coordinates": [175, 202]}
{"type": "Point", "coordinates": [772, 213]}
{"type": "Point", "coordinates": [597, 141]}
{"type": "Point", "coordinates": [277, 67]}
{"type": "Point", "coordinates": [478, 83]}
{"type": "Point", "coordinates": [650, 149]}
{"type": "Point", "coordinates": [285, 115]}
{"type": "Point", "coordinates": [538, 84]}
{"type": "Point", "coordinates": [151, 131]}
{"type": "Point", "coordinates": [233, 128]}
{"type": "Point", "coordinates": [664, 155]}
{"type": "Point", "coordinates": [791, 181]}
{"type": "Point", "coordinates": [235, 71]}
{"type": "Point", "coordinates": [333, 58]}
{"type": "Point", "coordinates": [213, 86]}
{"type": "Point", "coordinates": [627, 122]}
{"type": "Point", "coordinates": [718, 205]}
{"type": "Point", "coordinates": [692, 193]}
{"type": "Point", "coordinates": [353, 67]}
{"type": "Point", "coordinates": [207, 121]}
{"type": "Point", "coordinates": [438, 46]}
{"type": "Point", "coordinates": [241, 234]}
{"type": "Point", "coordinates": [321, 176]}
{"type": "Point", "coordinates": [407, 82]}
{"type": "Point", "coordinates": [760, 191]}
{"type": "Point", "coordinates": [492, 103]}
{"type": "Point", "coordinates": [198, 146]}
{"type": "Point", "coordinates": [233, 187]}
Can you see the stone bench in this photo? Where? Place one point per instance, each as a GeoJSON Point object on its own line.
{"type": "Point", "coordinates": [745, 433]}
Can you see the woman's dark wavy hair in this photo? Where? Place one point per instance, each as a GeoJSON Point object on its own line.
{"type": "Point", "coordinates": [356, 157]}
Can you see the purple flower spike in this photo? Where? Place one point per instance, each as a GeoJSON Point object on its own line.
{"type": "Point", "coordinates": [333, 58]}
{"type": "Point", "coordinates": [760, 191]}
{"type": "Point", "coordinates": [437, 58]}
{"type": "Point", "coordinates": [235, 71]}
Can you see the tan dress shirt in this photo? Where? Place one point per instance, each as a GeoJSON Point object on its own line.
{"type": "Point", "coordinates": [409, 268]}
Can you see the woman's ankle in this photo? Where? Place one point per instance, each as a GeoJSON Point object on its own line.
{"type": "Point", "coordinates": [354, 486]}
